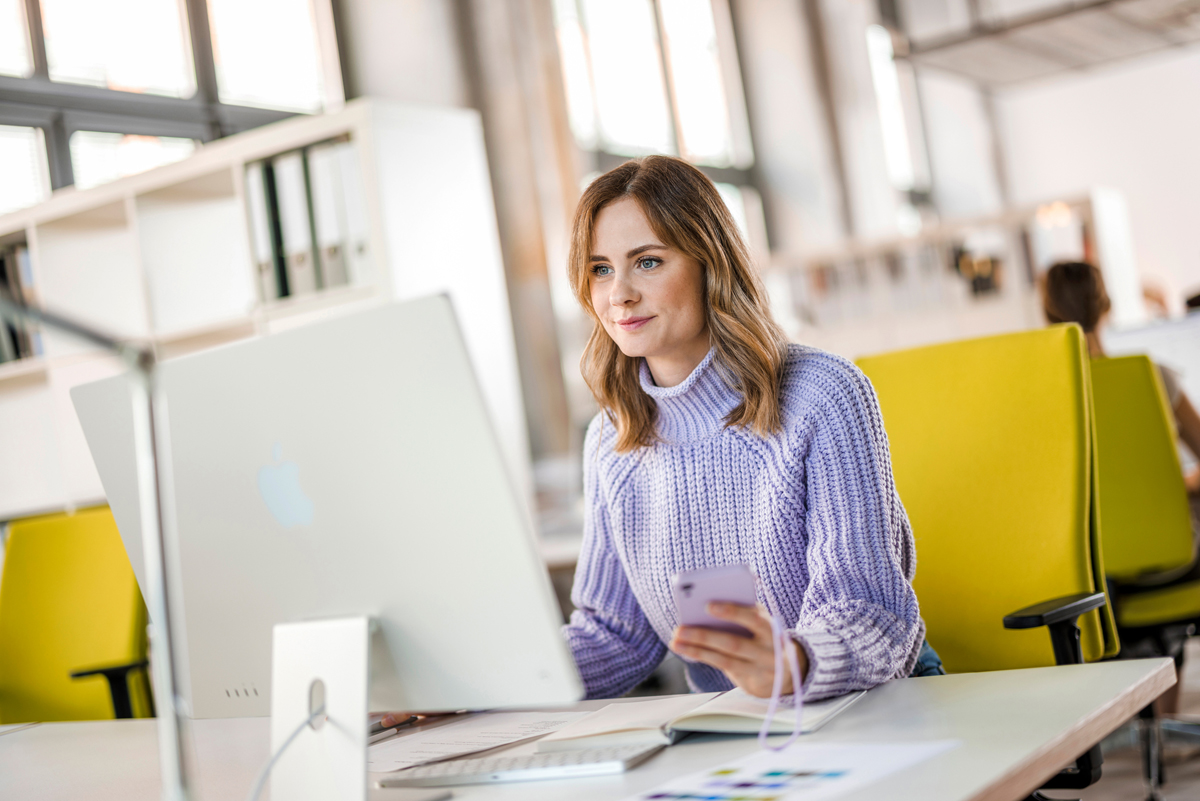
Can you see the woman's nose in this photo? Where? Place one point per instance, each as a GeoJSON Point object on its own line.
{"type": "Point", "coordinates": [622, 292]}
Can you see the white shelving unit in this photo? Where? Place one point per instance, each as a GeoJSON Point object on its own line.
{"type": "Point", "coordinates": [166, 256]}
{"type": "Point", "coordinates": [890, 294]}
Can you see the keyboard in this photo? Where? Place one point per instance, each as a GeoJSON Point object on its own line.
{"type": "Point", "coordinates": [492, 770]}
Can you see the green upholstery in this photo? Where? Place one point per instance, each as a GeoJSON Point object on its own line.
{"type": "Point", "coordinates": [991, 448]}
{"type": "Point", "coordinates": [68, 602]}
{"type": "Point", "coordinates": [1146, 524]}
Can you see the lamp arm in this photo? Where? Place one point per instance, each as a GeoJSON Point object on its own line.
{"type": "Point", "coordinates": [157, 512]}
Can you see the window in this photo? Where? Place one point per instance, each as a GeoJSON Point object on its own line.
{"type": "Point", "coordinates": [23, 162]}
{"type": "Point", "coordinates": [627, 84]}
{"type": "Point", "coordinates": [659, 76]}
{"type": "Point", "coordinates": [100, 157]}
{"type": "Point", "coordinates": [899, 117]}
{"type": "Point", "coordinates": [15, 58]}
{"type": "Point", "coordinates": [130, 45]}
{"type": "Point", "coordinates": [653, 76]}
{"type": "Point", "coordinates": [280, 69]}
{"type": "Point", "coordinates": [113, 87]}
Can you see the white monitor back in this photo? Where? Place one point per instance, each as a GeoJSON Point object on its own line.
{"type": "Point", "coordinates": [344, 468]}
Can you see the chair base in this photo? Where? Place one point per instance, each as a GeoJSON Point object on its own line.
{"type": "Point", "coordinates": [1180, 731]}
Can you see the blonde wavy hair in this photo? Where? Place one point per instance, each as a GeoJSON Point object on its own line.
{"type": "Point", "coordinates": [685, 210]}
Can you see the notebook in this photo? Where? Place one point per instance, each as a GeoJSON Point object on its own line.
{"type": "Point", "coordinates": [665, 720]}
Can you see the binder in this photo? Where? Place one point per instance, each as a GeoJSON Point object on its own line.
{"type": "Point", "coordinates": [354, 202]}
{"type": "Point", "coordinates": [9, 336]}
{"type": "Point", "coordinates": [308, 220]}
{"type": "Point", "coordinates": [328, 212]}
{"type": "Point", "coordinates": [339, 212]}
{"type": "Point", "coordinates": [295, 223]}
{"type": "Point", "coordinates": [262, 238]}
{"type": "Point", "coordinates": [18, 340]}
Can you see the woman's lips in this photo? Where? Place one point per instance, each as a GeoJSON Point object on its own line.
{"type": "Point", "coordinates": [633, 323]}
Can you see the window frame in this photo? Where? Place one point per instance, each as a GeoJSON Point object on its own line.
{"type": "Point", "coordinates": [60, 109]}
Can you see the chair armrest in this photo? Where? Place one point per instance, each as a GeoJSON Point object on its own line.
{"type": "Point", "coordinates": [118, 684]}
{"type": "Point", "coordinates": [1047, 613]}
{"type": "Point", "coordinates": [1060, 616]}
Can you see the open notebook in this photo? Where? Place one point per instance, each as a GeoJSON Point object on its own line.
{"type": "Point", "coordinates": [664, 720]}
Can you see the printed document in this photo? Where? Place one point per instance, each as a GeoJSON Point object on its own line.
{"type": "Point", "coordinates": [802, 772]}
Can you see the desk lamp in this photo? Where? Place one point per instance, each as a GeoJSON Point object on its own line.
{"type": "Point", "coordinates": [157, 520]}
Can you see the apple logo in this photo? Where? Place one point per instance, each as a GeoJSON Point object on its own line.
{"type": "Point", "coordinates": [279, 485]}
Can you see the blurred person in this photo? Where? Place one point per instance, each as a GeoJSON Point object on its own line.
{"type": "Point", "coordinates": [1073, 292]}
{"type": "Point", "coordinates": [719, 442]}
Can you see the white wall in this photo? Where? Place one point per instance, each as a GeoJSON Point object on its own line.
{"type": "Point", "coordinates": [405, 50]}
{"type": "Point", "coordinates": [1134, 127]}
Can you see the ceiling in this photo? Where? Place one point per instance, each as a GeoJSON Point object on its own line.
{"type": "Point", "coordinates": [1084, 35]}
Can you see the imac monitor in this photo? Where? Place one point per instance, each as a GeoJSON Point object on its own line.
{"type": "Point", "coordinates": [344, 468]}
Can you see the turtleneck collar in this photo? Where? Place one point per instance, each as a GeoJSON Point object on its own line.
{"type": "Point", "coordinates": [695, 408]}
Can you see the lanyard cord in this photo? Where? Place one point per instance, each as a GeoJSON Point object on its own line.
{"type": "Point", "coordinates": [779, 638]}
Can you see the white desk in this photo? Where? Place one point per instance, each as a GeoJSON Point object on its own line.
{"type": "Point", "coordinates": [1017, 728]}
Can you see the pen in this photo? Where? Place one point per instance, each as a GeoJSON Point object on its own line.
{"type": "Point", "coordinates": [378, 728]}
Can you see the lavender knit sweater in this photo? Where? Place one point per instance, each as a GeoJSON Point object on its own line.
{"type": "Point", "coordinates": [812, 509]}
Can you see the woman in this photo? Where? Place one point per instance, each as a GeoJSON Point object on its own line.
{"type": "Point", "coordinates": [719, 443]}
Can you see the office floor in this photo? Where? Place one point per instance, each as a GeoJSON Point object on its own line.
{"type": "Point", "coordinates": [1122, 777]}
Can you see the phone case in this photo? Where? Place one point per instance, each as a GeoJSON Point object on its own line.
{"type": "Point", "coordinates": [695, 589]}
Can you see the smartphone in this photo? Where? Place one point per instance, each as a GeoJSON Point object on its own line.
{"type": "Point", "coordinates": [694, 590]}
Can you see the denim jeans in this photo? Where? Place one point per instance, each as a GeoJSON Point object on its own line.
{"type": "Point", "coordinates": [928, 663]}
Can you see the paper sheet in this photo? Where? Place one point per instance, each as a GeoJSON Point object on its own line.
{"type": "Point", "coordinates": [476, 733]}
{"type": "Point", "coordinates": [802, 772]}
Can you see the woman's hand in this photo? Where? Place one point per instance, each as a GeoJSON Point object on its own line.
{"type": "Point", "coordinates": [749, 662]}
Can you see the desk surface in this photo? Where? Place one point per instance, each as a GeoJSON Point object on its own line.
{"type": "Point", "coordinates": [1017, 728]}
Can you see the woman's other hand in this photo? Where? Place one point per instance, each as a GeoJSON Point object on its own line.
{"type": "Point", "coordinates": [749, 662]}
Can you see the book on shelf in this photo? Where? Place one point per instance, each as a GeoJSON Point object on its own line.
{"type": "Point", "coordinates": [18, 340]}
{"type": "Point", "coordinates": [665, 720]}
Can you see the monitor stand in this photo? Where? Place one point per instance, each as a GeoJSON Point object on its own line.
{"type": "Point", "coordinates": [320, 663]}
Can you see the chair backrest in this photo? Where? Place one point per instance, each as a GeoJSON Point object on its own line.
{"type": "Point", "coordinates": [1147, 526]}
{"type": "Point", "coordinates": [68, 601]}
{"type": "Point", "coordinates": [991, 448]}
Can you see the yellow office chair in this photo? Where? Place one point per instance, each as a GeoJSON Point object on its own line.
{"type": "Point", "coordinates": [991, 449]}
{"type": "Point", "coordinates": [1147, 531]}
{"type": "Point", "coordinates": [70, 614]}
{"type": "Point", "coordinates": [1147, 523]}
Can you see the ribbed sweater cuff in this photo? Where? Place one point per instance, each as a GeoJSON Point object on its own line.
{"type": "Point", "coordinates": [830, 664]}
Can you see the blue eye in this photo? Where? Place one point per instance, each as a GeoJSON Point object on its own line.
{"type": "Point", "coordinates": [601, 270]}
{"type": "Point", "coordinates": [649, 263]}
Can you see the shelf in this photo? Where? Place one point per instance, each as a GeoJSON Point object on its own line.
{"type": "Point", "coordinates": [87, 267]}
{"type": "Point", "coordinates": [22, 371]}
{"type": "Point", "coordinates": [166, 257]}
